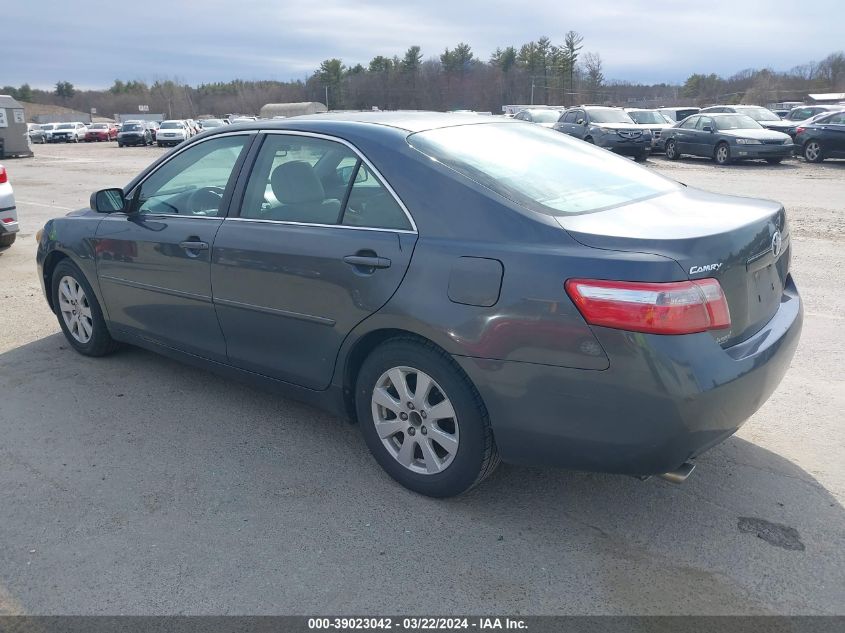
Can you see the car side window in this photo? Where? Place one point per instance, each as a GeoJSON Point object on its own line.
{"type": "Point", "coordinates": [299, 179]}
{"type": "Point", "coordinates": [307, 180]}
{"type": "Point", "coordinates": [569, 117]}
{"type": "Point", "coordinates": [703, 122]}
{"type": "Point", "coordinates": [192, 183]}
{"type": "Point", "coordinates": [837, 119]}
{"type": "Point", "coordinates": [370, 204]}
{"type": "Point", "coordinates": [690, 122]}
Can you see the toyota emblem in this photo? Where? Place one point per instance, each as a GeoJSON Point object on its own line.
{"type": "Point", "coordinates": [777, 243]}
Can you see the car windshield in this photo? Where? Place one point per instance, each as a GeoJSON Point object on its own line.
{"type": "Point", "coordinates": [647, 116]}
{"type": "Point", "coordinates": [131, 127]}
{"type": "Point", "coordinates": [736, 122]}
{"type": "Point", "coordinates": [545, 116]}
{"type": "Point", "coordinates": [609, 115]}
{"type": "Point", "coordinates": [99, 126]}
{"type": "Point", "coordinates": [759, 114]}
{"type": "Point", "coordinates": [171, 125]}
{"type": "Point", "coordinates": [66, 126]}
{"type": "Point", "coordinates": [540, 169]}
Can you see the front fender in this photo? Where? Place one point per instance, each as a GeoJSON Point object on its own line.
{"type": "Point", "coordinates": [72, 238]}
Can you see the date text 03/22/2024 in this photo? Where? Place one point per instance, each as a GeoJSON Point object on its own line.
{"type": "Point", "coordinates": [417, 624]}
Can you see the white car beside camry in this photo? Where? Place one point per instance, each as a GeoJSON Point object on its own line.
{"type": "Point", "coordinates": [8, 213]}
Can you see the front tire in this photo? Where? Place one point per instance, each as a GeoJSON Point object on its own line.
{"type": "Point", "coordinates": [722, 155]}
{"type": "Point", "coordinates": [642, 157]}
{"type": "Point", "coordinates": [671, 150]}
{"type": "Point", "coordinates": [78, 311]}
{"type": "Point", "coordinates": [423, 420]}
{"type": "Point", "coordinates": [813, 151]}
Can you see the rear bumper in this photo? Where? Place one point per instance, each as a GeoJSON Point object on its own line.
{"type": "Point", "coordinates": [8, 227]}
{"type": "Point", "coordinates": [662, 401]}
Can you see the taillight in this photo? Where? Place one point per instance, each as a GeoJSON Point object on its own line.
{"type": "Point", "coordinates": [3, 176]}
{"type": "Point", "coordinates": [800, 130]}
{"type": "Point", "coordinates": [682, 307]}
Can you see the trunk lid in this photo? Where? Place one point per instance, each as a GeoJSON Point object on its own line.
{"type": "Point", "coordinates": [742, 242]}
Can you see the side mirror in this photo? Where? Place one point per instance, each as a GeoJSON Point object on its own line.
{"type": "Point", "coordinates": [707, 128]}
{"type": "Point", "coordinates": [108, 201]}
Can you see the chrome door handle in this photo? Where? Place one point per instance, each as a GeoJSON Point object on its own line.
{"type": "Point", "coordinates": [194, 246]}
{"type": "Point", "coordinates": [364, 261]}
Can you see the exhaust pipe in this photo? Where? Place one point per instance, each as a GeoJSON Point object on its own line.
{"type": "Point", "coordinates": [680, 474]}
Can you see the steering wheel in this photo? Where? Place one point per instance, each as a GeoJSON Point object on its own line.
{"type": "Point", "coordinates": [204, 200]}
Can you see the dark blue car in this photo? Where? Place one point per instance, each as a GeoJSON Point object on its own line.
{"type": "Point", "coordinates": [466, 288]}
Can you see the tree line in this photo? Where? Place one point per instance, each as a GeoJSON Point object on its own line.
{"type": "Point", "coordinates": [540, 72]}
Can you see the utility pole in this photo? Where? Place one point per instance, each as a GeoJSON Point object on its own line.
{"type": "Point", "coordinates": [327, 96]}
{"type": "Point", "coordinates": [532, 91]}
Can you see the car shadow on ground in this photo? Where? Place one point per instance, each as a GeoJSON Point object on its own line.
{"type": "Point", "coordinates": [787, 164]}
{"type": "Point", "coordinates": [135, 459]}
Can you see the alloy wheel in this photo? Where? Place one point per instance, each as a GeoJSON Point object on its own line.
{"type": "Point", "coordinates": [812, 151]}
{"type": "Point", "coordinates": [670, 150]}
{"type": "Point", "coordinates": [415, 420]}
{"type": "Point", "coordinates": [722, 154]}
{"type": "Point", "coordinates": [75, 309]}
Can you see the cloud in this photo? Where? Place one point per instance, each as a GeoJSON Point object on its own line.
{"type": "Point", "coordinates": [217, 40]}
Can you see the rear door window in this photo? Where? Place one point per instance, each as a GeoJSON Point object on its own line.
{"type": "Point", "coordinates": [311, 180]}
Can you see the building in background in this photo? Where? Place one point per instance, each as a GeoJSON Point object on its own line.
{"type": "Point", "coordinates": [14, 136]}
{"type": "Point", "coordinates": [270, 110]}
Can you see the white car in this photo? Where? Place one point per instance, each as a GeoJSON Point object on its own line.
{"type": "Point", "coordinates": [69, 132]}
{"type": "Point", "coordinates": [244, 119]}
{"type": "Point", "coordinates": [172, 132]}
{"type": "Point", "coordinates": [49, 128]}
{"type": "Point", "coordinates": [8, 213]}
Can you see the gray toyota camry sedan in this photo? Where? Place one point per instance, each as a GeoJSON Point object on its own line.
{"type": "Point", "coordinates": [467, 289]}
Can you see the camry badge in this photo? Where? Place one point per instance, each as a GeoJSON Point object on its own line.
{"type": "Point", "coordinates": [777, 243]}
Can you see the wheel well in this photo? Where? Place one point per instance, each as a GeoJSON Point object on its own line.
{"type": "Point", "coordinates": [358, 354]}
{"type": "Point", "coordinates": [50, 264]}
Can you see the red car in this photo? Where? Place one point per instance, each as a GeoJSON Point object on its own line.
{"type": "Point", "coordinates": [101, 132]}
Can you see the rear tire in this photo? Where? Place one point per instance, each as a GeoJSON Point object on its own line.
{"type": "Point", "coordinates": [404, 428]}
{"type": "Point", "coordinates": [671, 150]}
{"type": "Point", "coordinates": [82, 322]}
{"type": "Point", "coordinates": [590, 140]}
{"type": "Point", "coordinates": [722, 154]}
{"type": "Point", "coordinates": [813, 151]}
{"type": "Point", "coordinates": [8, 239]}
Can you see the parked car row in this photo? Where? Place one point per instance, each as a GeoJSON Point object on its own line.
{"type": "Point", "coordinates": [725, 133]}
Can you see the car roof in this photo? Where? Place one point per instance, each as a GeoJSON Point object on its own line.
{"type": "Point", "coordinates": [409, 121]}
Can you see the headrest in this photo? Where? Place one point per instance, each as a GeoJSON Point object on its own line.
{"type": "Point", "coordinates": [295, 182]}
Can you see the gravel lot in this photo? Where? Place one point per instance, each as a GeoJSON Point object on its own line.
{"type": "Point", "coordinates": [136, 485]}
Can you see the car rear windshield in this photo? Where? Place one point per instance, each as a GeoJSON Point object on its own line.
{"type": "Point", "coordinates": [759, 114]}
{"type": "Point", "coordinates": [171, 125]}
{"type": "Point", "coordinates": [736, 122]}
{"type": "Point", "coordinates": [540, 169]}
{"type": "Point", "coordinates": [99, 126]}
{"type": "Point", "coordinates": [128, 127]}
{"type": "Point", "coordinates": [545, 116]}
{"type": "Point", "coordinates": [646, 117]}
{"type": "Point", "coordinates": [609, 115]}
{"type": "Point", "coordinates": [66, 126]}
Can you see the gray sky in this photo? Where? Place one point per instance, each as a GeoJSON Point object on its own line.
{"type": "Point", "coordinates": [91, 43]}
